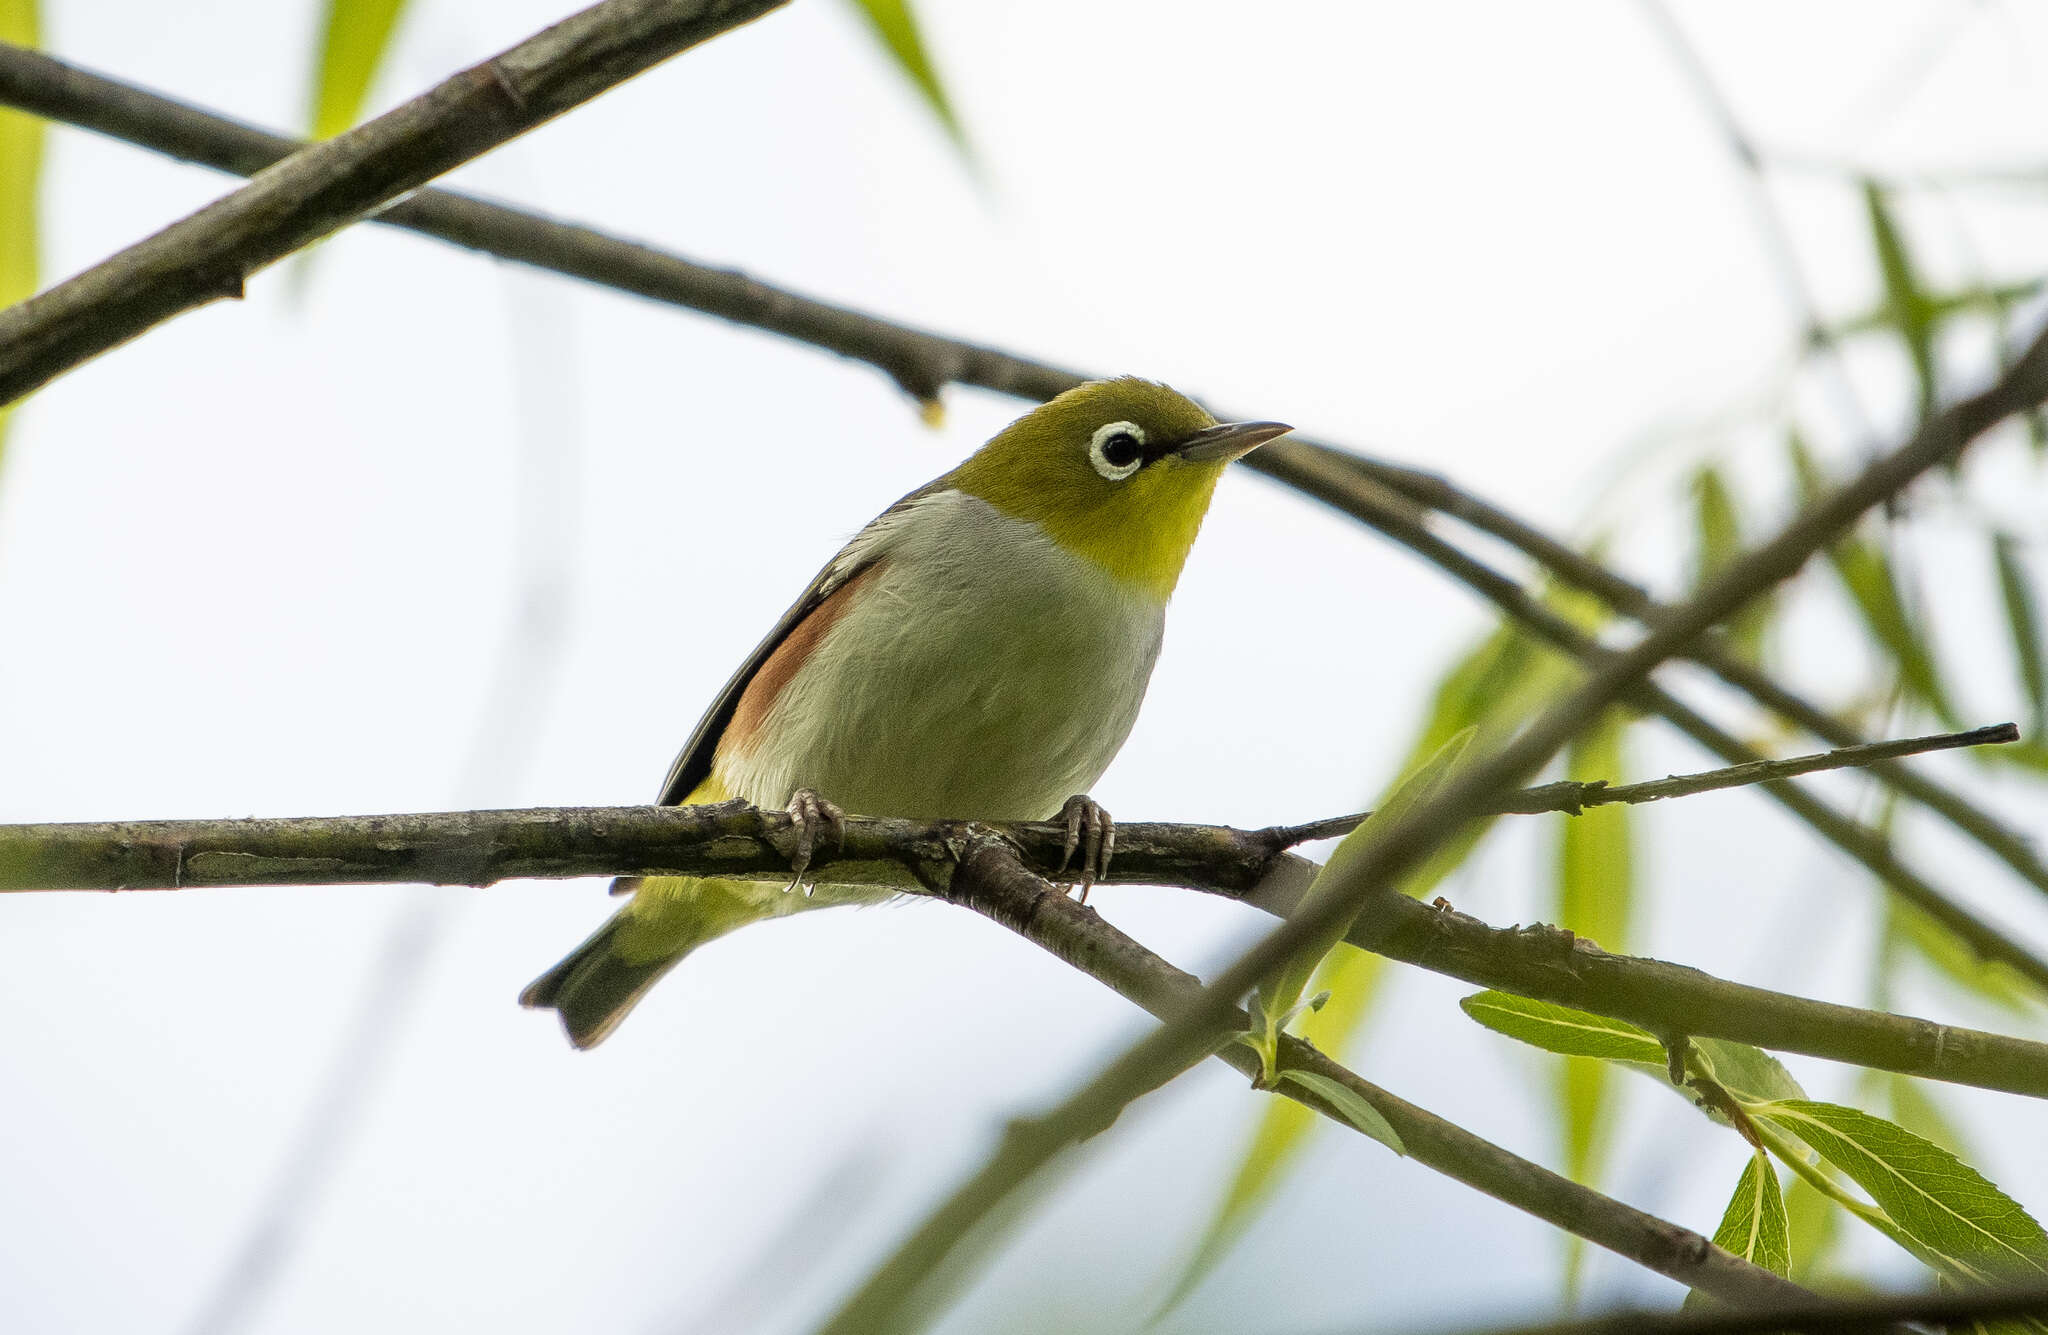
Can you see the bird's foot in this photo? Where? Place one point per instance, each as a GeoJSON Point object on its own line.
{"type": "Point", "coordinates": [1093, 833]}
{"type": "Point", "coordinates": [811, 813]}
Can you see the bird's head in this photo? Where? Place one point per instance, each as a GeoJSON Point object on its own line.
{"type": "Point", "coordinates": [1117, 471]}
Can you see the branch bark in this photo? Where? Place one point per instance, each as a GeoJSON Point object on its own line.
{"type": "Point", "coordinates": [924, 363]}
{"type": "Point", "coordinates": [738, 841]}
{"type": "Point", "coordinates": [210, 254]}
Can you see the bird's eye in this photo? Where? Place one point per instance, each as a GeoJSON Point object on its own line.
{"type": "Point", "coordinates": [1117, 450]}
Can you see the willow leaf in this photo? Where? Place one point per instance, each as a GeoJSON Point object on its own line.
{"type": "Point", "coordinates": [1942, 1209]}
{"type": "Point", "coordinates": [1866, 575]}
{"type": "Point", "coordinates": [2023, 622]}
{"type": "Point", "coordinates": [355, 37]}
{"type": "Point", "coordinates": [1595, 884]}
{"type": "Point", "coordinates": [1912, 311]}
{"type": "Point", "coordinates": [895, 27]}
{"type": "Point", "coordinates": [21, 171]}
{"type": "Point", "coordinates": [1562, 1030]}
{"type": "Point", "coordinates": [1717, 540]}
{"type": "Point", "coordinates": [1755, 1226]}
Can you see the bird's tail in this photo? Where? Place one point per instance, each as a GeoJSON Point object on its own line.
{"type": "Point", "coordinates": [605, 977]}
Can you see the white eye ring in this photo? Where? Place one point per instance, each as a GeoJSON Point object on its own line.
{"type": "Point", "coordinates": [1128, 452]}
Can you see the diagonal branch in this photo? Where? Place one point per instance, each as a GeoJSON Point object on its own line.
{"type": "Point", "coordinates": [210, 254]}
{"type": "Point", "coordinates": [984, 874]}
{"type": "Point", "coordinates": [923, 364]}
{"type": "Point", "coordinates": [733, 840]}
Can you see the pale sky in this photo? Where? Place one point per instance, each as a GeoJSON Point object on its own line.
{"type": "Point", "coordinates": [271, 559]}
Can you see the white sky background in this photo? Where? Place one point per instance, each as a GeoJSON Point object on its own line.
{"type": "Point", "coordinates": [265, 560]}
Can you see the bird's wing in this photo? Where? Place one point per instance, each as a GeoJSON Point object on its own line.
{"type": "Point", "coordinates": [868, 547]}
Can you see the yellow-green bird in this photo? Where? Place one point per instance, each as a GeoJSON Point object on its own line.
{"type": "Point", "coordinates": [979, 651]}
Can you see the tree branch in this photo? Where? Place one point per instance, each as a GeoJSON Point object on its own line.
{"type": "Point", "coordinates": [1947, 1309]}
{"type": "Point", "coordinates": [738, 841]}
{"type": "Point", "coordinates": [985, 875]}
{"type": "Point", "coordinates": [320, 188]}
{"type": "Point", "coordinates": [923, 363]}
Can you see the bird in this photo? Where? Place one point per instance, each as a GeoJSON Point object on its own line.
{"type": "Point", "coordinates": [979, 651]}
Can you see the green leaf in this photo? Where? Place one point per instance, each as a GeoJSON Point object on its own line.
{"type": "Point", "coordinates": [1281, 994]}
{"type": "Point", "coordinates": [895, 27]}
{"type": "Point", "coordinates": [1748, 1073]}
{"type": "Point", "coordinates": [1911, 311]}
{"type": "Point", "coordinates": [355, 36]}
{"type": "Point", "coordinates": [1816, 1227]}
{"type": "Point", "coordinates": [1595, 884]}
{"type": "Point", "coordinates": [1939, 948]}
{"type": "Point", "coordinates": [2023, 622]}
{"type": "Point", "coordinates": [1563, 1030]}
{"type": "Point", "coordinates": [1717, 540]}
{"type": "Point", "coordinates": [1866, 575]}
{"type": "Point", "coordinates": [1351, 1104]}
{"type": "Point", "coordinates": [21, 170]}
{"type": "Point", "coordinates": [1755, 1226]}
{"type": "Point", "coordinates": [1942, 1209]}
{"type": "Point", "coordinates": [1913, 1106]}
{"type": "Point", "coordinates": [1494, 687]}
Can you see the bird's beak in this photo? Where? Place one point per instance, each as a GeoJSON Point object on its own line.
{"type": "Point", "coordinates": [1231, 440]}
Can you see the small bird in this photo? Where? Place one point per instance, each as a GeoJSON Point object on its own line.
{"type": "Point", "coordinates": [979, 651]}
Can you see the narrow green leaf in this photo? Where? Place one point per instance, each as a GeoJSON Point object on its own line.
{"type": "Point", "coordinates": [1281, 994]}
{"type": "Point", "coordinates": [1494, 687]}
{"type": "Point", "coordinates": [895, 27]}
{"type": "Point", "coordinates": [1942, 1208]}
{"type": "Point", "coordinates": [1595, 884]}
{"type": "Point", "coordinates": [1816, 1227]}
{"type": "Point", "coordinates": [21, 170]}
{"type": "Point", "coordinates": [1717, 540]}
{"type": "Point", "coordinates": [355, 36]}
{"type": "Point", "coordinates": [1755, 1226]}
{"type": "Point", "coordinates": [1866, 575]}
{"type": "Point", "coordinates": [1912, 312]}
{"type": "Point", "coordinates": [2023, 622]}
{"type": "Point", "coordinates": [1351, 1104]}
{"type": "Point", "coordinates": [1563, 1030]}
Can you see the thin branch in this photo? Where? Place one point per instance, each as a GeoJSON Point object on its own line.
{"type": "Point", "coordinates": [1582, 572]}
{"type": "Point", "coordinates": [921, 363]}
{"type": "Point", "coordinates": [986, 876]}
{"type": "Point", "coordinates": [210, 254]}
{"type": "Point", "coordinates": [1947, 1309]}
{"type": "Point", "coordinates": [1571, 796]}
{"type": "Point", "coordinates": [1326, 475]}
{"type": "Point", "coordinates": [736, 841]}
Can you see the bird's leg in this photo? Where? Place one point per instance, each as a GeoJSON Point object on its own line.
{"type": "Point", "coordinates": [810, 812]}
{"type": "Point", "coordinates": [1084, 816]}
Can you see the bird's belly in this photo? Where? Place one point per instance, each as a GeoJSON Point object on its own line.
{"type": "Point", "coordinates": [991, 694]}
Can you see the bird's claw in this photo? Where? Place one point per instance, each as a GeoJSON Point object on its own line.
{"type": "Point", "coordinates": [1087, 822]}
{"type": "Point", "coordinates": [809, 813]}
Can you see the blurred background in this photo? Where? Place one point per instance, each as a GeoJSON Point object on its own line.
{"type": "Point", "coordinates": [409, 529]}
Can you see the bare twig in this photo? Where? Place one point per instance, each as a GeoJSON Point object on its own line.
{"type": "Point", "coordinates": [1947, 1309]}
{"type": "Point", "coordinates": [210, 254]}
{"type": "Point", "coordinates": [1571, 796]}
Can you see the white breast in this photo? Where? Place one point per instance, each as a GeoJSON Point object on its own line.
{"type": "Point", "coordinates": [982, 673]}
